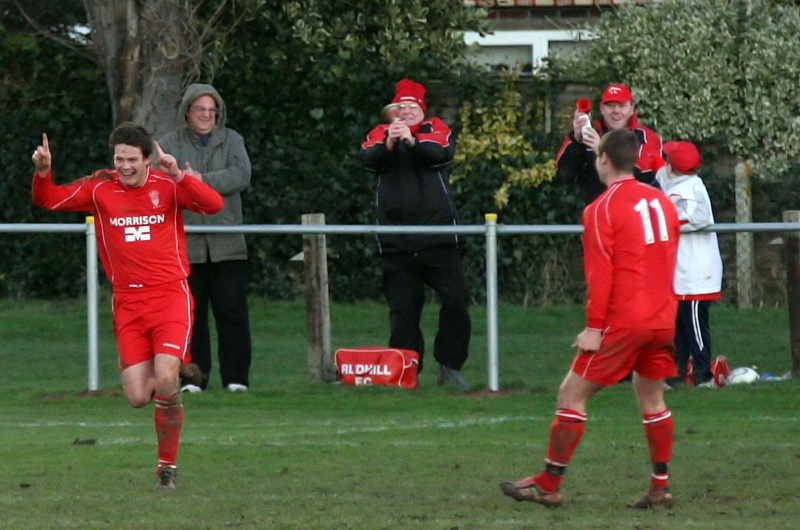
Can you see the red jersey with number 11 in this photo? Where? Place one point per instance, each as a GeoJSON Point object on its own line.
{"type": "Point", "coordinates": [630, 244]}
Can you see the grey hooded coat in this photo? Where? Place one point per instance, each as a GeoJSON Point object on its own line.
{"type": "Point", "coordinates": [225, 166]}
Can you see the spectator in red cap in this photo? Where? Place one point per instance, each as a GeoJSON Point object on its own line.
{"type": "Point", "coordinates": [630, 240]}
{"type": "Point", "coordinates": [698, 273]}
{"type": "Point", "coordinates": [411, 155]}
{"type": "Point", "coordinates": [575, 160]}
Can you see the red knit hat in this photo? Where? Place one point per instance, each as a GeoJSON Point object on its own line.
{"type": "Point", "coordinates": [682, 156]}
{"type": "Point", "coordinates": [408, 90]}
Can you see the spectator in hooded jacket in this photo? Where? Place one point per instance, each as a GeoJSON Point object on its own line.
{"type": "Point", "coordinates": [575, 160]}
{"type": "Point", "coordinates": [411, 155]}
{"type": "Point", "coordinates": [698, 274]}
{"type": "Point", "coordinates": [216, 154]}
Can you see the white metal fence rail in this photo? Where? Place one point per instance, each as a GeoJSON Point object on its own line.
{"type": "Point", "coordinates": [491, 230]}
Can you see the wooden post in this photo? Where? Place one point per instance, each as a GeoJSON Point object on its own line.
{"type": "Point", "coordinates": [745, 263]}
{"type": "Point", "coordinates": [791, 244]}
{"type": "Point", "coordinates": [318, 319]}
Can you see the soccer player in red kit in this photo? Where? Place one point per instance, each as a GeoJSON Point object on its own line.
{"type": "Point", "coordinates": [142, 246]}
{"type": "Point", "coordinates": [630, 243]}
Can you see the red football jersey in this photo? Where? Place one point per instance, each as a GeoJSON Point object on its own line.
{"type": "Point", "coordinates": [630, 244]}
{"type": "Point", "coordinates": [140, 233]}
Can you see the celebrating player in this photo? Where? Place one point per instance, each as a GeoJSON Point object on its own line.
{"type": "Point", "coordinates": [630, 243]}
{"type": "Point", "coordinates": [142, 246]}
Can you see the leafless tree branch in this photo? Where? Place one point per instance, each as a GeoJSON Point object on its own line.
{"type": "Point", "coordinates": [213, 31]}
{"type": "Point", "coordinates": [83, 51]}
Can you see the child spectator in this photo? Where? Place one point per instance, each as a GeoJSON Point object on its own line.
{"type": "Point", "coordinates": [698, 274]}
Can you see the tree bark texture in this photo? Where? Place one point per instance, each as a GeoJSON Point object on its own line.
{"type": "Point", "coordinates": [147, 48]}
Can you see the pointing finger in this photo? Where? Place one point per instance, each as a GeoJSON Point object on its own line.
{"type": "Point", "coordinates": [159, 151]}
{"type": "Point", "coordinates": [45, 142]}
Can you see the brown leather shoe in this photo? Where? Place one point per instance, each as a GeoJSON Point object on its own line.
{"type": "Point", "coordinates": [166, 477]}
{"type": "Point", "coordinates": [527, 490]}
{"type": "Point", "coordinates": [660, 497]}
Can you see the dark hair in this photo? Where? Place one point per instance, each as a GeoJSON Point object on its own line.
{"type": "Point", "coordinates": [129, 133]}
{"type": "Point", "coordinates": [622, 148]}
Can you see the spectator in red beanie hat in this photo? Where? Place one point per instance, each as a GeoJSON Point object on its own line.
{"type": "Point", "coordinates": [408, 90]}
{"type": "Point", "coordinates": [411, 155]}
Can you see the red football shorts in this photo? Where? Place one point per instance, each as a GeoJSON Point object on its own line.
{"type": "Point", "coordinates": [152, 321]}
{"type": "Point", "coordinates": [648, 352]}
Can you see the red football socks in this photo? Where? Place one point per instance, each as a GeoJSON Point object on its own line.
{"type": "Point", "coordinates": [659, 429]}
{"type": "Point", "coordinates": [566, 432]}
{"type": "Point", "coordinates": [169, 420]}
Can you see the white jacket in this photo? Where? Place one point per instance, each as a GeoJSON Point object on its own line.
{"type": "Point", "coordinates": [698, 274]}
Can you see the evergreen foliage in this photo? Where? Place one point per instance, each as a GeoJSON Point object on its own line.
{"type": "Point", "coordinates": [723, 73]}
{"type": "Point", "coordinates": [305, 81]}
{"type": "Point", "coordinates": [46, 88]}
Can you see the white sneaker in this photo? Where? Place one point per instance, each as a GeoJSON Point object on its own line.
{"type": "Point", "coordinates": [192, 389]}
{"type": "Point", "coordinates": [236, 387]}
{"type": "Point", "coordinates": [708, 384]}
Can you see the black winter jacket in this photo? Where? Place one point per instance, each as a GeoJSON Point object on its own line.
{"type": "Point", "coordinates": [413, 185]}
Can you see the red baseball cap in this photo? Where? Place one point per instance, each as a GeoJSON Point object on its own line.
{"type": "Point", "coordinates": [617, 94]}
{"type": "Point", "coordinates": [682, 156]}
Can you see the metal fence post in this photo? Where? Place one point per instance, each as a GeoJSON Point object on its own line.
{"type": "Point", "coordinates": [91, 303]}
{"type": "Point", "coordinates": [491, 302]}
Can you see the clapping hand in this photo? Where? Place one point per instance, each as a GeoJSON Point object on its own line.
{"type": "Point", "coordinates": [189, 170]}
{"type": "Point", "coordinates": [400, 132]}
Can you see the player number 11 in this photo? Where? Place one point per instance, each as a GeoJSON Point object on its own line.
{"type": "Point", "coordinates": [647, 222]}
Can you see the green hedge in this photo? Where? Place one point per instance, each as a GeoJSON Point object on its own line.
{"type": "Point", "coordinates": [303, 136]}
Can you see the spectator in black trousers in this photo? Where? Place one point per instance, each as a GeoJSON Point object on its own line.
{"type": "Point", "coordinates": [215, 154]}
{"type": "Point", "coordinates": [411, 155]}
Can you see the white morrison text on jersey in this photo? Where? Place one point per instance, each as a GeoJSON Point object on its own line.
{"type": "Point", "coordinates": [137, 228]}
{"type": "Point", "coordinates": [137, 220]}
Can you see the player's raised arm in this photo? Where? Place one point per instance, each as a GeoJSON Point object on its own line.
{"type": "Point", "coordinates": [42, 158]}
{"type": "Point", "coordinates": [167, 163]}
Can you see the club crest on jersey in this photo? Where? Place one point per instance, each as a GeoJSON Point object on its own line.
{"type": "Point", "coordinates": [155, 199]}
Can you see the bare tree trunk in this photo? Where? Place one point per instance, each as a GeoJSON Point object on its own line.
{"type": "Point", "coordinates": [744, 240]}
{"type": "Point", "coordinates": [147, 48]}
